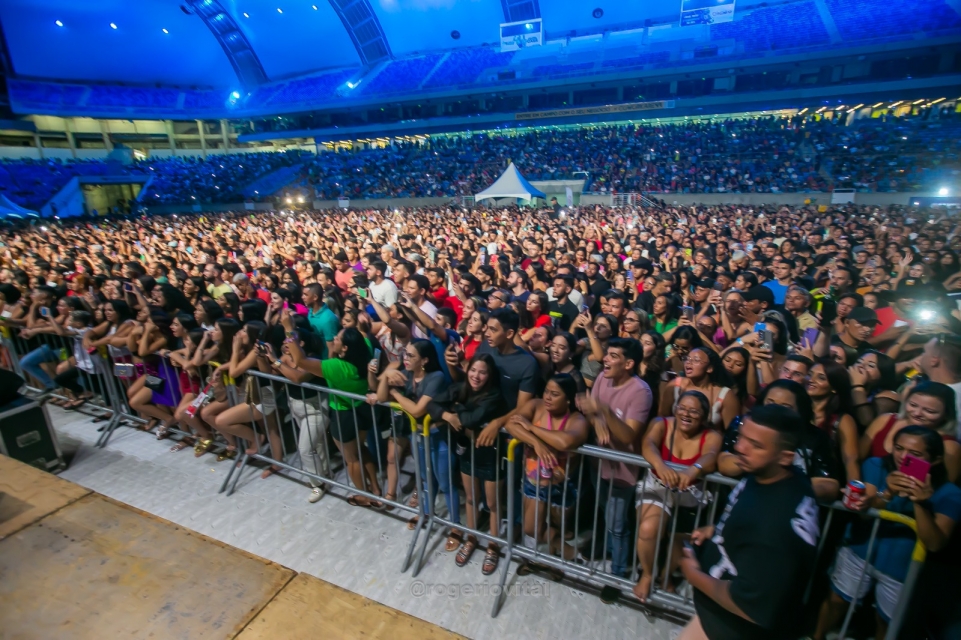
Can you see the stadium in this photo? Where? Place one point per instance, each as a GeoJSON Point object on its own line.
{"type": "Point", "coordinates": [527, 318]}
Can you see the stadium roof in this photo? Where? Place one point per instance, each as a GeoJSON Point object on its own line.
{"type": "Point", "coordinates": [219, 43]}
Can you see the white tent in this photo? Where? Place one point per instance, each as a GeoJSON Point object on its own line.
{"type": "Point", "coordinates": [10, 208]}
{"type": "Point", "coordinates": [511, 184]}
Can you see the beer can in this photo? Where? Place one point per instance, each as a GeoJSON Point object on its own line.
{"type": "Point", "coordinates": [855, 490]}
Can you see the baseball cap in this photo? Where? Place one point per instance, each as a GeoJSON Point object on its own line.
{"type": "Point", "coordinates": [705, 283]}
{"type": "Point", "coordinates": [863, 315]}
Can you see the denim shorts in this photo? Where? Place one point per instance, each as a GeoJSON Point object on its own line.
{"type": "Point", "coordinates": [554, 492]}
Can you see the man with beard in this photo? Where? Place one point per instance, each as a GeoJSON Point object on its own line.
{"type": "Point", "coordinates": [214, 275]}
{"type": "Point", "coordinates": [858, 327]}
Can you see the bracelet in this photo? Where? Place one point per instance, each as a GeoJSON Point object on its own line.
{"type": "Point", "coordinates": [858, 386]}
{"type": "Point", "coordinates": [740, 342]}
{"type": "Point", "coordinates": [278, 363]}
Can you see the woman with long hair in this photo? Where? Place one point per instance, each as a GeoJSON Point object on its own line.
{"type": "Point", "coordinates": [551, 427]}
{"type": "Point", "coordinates": [934, 503]}
{"type": "Point", "coordinates": [195, 289]}
{"type": "Point", "coordinates": [740, 366]}
{"type": "Point", "coordinates": [874, 389]}
{"type": "Point", "coordinates": [703, 371]}
{"type": "Point", "coordinates": [229, 302]}
{"type": "Point", "coordinates": [154, 335]}
{"type": "Point", "coordinates": [170, 299]}
{"type": "Point", "coordinates": [207, 313]}
{"type": "Point", "coordinates": [631, 326]}
{"type": "Point", "coordinates": [683, 439]}
{"type": "Point", "coordinates": [829, 386]}
{"type": "Point", "coordinates": [414, 389]}
{"type": "Point", "coordinates": [652, 363]}
{"type": "Point", "coordinates": [345, 370]}
{"type": "Point", "coordinates": [680, 344]}
{"type": "Point", "coordinates": [216, 349]}
{"type": "Point", "coordinates": [474, 331]}
{"type": "Point", "coordinates": [666, 313]}
{"type": "Point", "coordinates": [928, 404]}
{"type": "Point", "coordinates": [562, 349]}
{"type": "Point", "coordinates": [591, 349]}
{"type": "Point", "coordinates": [467, 408]}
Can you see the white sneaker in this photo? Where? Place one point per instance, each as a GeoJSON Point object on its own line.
{"type": "Point", "coordinates": [315, 495]}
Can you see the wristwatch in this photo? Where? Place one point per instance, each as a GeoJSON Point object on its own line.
{"type": "Point", "coordinates": [278, 363]}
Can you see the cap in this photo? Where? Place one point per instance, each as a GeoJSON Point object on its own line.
{"type": "Point", "coordinates": [863, 315]}
{"type": "Point", "coordinates": [642, 263]}
{"type": "Point", "coordinates": [705, 283]}
{"type": "Point", "coordinates": [760, 293]}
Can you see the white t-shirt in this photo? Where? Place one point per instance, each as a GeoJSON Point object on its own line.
{"type": "Point", "coordinates": [427, 307]}
{"type": "Point", "coordinates": [384, 293]}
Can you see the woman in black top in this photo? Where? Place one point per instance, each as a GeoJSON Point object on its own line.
{"type": "Point", "coordinates": [467, 407]}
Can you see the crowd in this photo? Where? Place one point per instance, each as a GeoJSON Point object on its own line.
{"type": "Point", "coordinates": [744, 155]}
{"type": "Point", "coordinates": [813, 354]}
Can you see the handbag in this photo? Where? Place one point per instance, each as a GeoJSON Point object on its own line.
{"type": "Point", "coordinates": [154, 383]}
{"type": "Point", "coordinates": [125, 370]}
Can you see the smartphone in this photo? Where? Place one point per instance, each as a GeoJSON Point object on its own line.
{"type": "Point", "coordinates": [483, 259]}
{"type": "Point", "coordinates": [45, 312]}
{"type": "Point", "coordinates": [766, 336]}
{"type": "Point", "coordinates": [584, 308]}
{"type": "Point", "coordinates": [377, 355]}
{"type": "Point", "coordinates": [719, 286]}
{"type": "Point", "coordinates": [362, 292]}
{"type": "Point", "coordinates": [688, 313]}
{"type": "Point", "coordinates": [809, 336]}
{"type": "Point", "coordinates": [915, 467]}
{"type": "Point", "coordinates": [128, 287]}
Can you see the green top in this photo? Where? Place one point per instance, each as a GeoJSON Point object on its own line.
{"type": "Point", "coordinates": [665, 327]}
{"type": "Point", "coordinates": [343, 376]}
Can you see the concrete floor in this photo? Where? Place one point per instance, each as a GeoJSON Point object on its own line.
{"type": "Point", "coordinates": [357, 549]}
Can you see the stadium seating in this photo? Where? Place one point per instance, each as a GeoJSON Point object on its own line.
{"type": "Point", "coordinates": [788, 26]}
{"type": "Point", "coordinates": [31, 183]}
{"type": "Point", "coordinates": [879, 18]}
{"type": "Point", "coordinates": [401, 75]}
{"type": "Point", "coordinates": [465, 67]}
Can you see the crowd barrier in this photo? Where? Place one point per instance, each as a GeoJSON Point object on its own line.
{"type": "Point", "coordinates": [590, 523]}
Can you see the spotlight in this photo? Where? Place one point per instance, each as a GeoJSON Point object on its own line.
{"type": "Point", "coordinates": [290, 200]}
{"type": "Point", "coordinates": [165, 31]}
{"type": "Point", "coordinates": [943, 191]}
{"type": "Point", "coordinates": [59, 23]}
{"type": "Point", "coordinates": [314, 7]}
{"type": "Point", "coordinates": [279, 10]}
{"type": "Point", "coordinates": [235, 95]}
{"type": "Point", "coordinates": [351, 85]}
{"type": "Point", "coordinates": [113, 25]}
{"type": "Point", "coordinates": [246, 15]}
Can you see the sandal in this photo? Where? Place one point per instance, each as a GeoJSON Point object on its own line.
{"type": "Point", "coordinates": [392, 497]}
{"type": "Point", "coordinates": [491, 558]}
{"type": "Point", "coordinates": [180, 446]}
{"type": "Point", "coordinates": [466, 551]}
{"type": "Point", "coordinates": [163, 432]}
{"type": "Point", "coordinates": [203, 447]}
{"type": "Point", "coordinates": [413, 523]}
{"type": "Point", "coordinates": [454, 541]}
{"type": "Point", "coordinates": [153, 422]}
{"type": "Point", "coordinates": [73, 406]}
{"type": "Point", "coordinates": [354, 501]}
{"type": "Point", "coordinates": [227, 454]}
{"type": "Point", "coordinates": [414, 500]}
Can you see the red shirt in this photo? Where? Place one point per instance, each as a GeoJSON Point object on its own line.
{"type": "Point", "coordinates": [440, 296]}
{"type": "Point", "coordinates": [453, 302]}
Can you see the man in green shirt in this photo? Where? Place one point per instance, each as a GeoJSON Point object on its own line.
{"type": "Point", "coordinates": [322, 320]}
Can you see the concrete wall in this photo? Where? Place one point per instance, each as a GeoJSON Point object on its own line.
{"type": "Point", "coordinates": [384, 203]}
{"type": "Point", "coordinates": [788, 199]}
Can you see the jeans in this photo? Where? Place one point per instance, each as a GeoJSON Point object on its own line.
{"type": "Point", "coordinates": [620, 529]}
{"type": "Point", "coordinates": [312, 419]}
{"type": "Point", "coordinates": [442, 463]}
{"type": "Point", "coordinates": [32, 361]}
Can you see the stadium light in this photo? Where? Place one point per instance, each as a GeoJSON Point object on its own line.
{"type": "Point", "coordinates": [918, 101]}
{"type": "Point", "coordinates": [314, 7]}
{"type": "Point", "coordinates": [113, 25]}
{"type": "Point", "coordinates": [246, 15]}
{"type": "Point", "coordinates": [235, 95]}
{"type": "Point", "coordinates": [165, 31]}
{"type": "Point", "coordinates": [943, 191]}
{"type": "Point", "coordinates": [59, 23]}
{"type": "Point", "coordinates": [279, 10]}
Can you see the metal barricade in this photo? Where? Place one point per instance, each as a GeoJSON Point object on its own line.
{"type": "Point", "coordinates": [592, 495]}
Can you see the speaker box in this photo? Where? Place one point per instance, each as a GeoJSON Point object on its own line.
{"type": "Point", "coordinates": [27, 435]}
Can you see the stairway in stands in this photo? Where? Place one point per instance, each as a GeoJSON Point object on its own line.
{"type": "Point", "coordinates": [272, 182]}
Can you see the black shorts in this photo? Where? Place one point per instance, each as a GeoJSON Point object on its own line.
{"type": "Point", "coordinates": [343, 425]}
{"type": "Point", "coordinates": [485, 463]}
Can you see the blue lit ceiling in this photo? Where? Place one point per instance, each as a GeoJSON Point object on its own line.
{"type": "Point", "coordinates": [304, 36]}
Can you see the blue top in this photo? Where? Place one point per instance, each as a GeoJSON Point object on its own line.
{"type": "Point", "coordinates": [895, 542]}
{"type": "Point", "coordinates": [779, 290]}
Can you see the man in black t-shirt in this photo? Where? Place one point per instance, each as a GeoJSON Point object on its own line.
{"type": "Point", "coordinates": [750, 570]}
{"type": "Point", "coordinates": [561, 307]}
